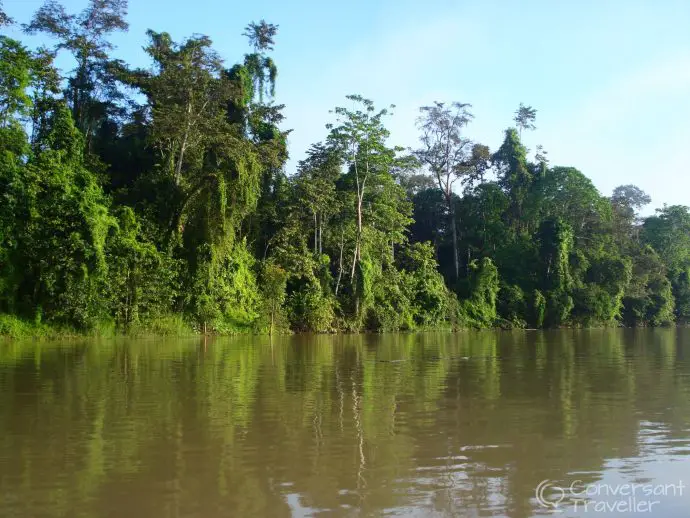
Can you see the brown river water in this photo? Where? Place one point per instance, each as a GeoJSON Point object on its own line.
{"type": "Point", "coordinates": [515, 424]}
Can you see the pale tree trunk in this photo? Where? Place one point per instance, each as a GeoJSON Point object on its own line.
{"type": "Point", "coordinates": [183, 147]}
{"type": "Point", "coordinates": [340, 263]}
{"type": "Point", "coordinates": [360, 200]}
{"type": "Point", "coordinates": [354, 264]}
{"type": "Point", "coordinates": [273, 312]}
{"type": "Point", "coordinates": [185, 139]}
{"type": "Point", "coordinates": [357, 253]}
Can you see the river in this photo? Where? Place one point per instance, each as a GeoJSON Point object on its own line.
{"type": "Point", "coordinates": [513, 424]}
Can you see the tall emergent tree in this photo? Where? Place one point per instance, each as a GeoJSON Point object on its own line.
{"type": "Point", "coordinates": [447, 153]}
{"type": "Point", "coordinates": [91, 92]}
{"type": "Point", "coordinates": [380, 209]}
{"type": "Point", "coordinates": [524, 118]}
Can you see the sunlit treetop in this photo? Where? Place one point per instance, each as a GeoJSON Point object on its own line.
{"type": "Point", "coordinates": [525, 117]}
{"type": "Point", "coordinates": [261, 35]}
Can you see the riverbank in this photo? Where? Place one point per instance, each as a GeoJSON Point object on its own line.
{"type": "Point", "coordinates": [14, 328]}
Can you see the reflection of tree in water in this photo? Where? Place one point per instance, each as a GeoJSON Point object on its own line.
{"type": "Point", "coordinates": [458, 424]}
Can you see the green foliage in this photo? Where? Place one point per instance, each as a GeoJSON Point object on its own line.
{"type": "Point", "coordinates": [512, 305]}
{"type": "Point", "coordinates": [480, 307]}
{"type": "Point", "coordinates": [680, 283]}
{"type": "Point", "coordinates": [599, 299]}
{"type": "Point", "coordinates": [90, 90]}
{"type": "Point", "coordinates": [60, 228]}
{"type": "Point", "coordinates": [273, 284]}
{"type": "Point", "coordinates": [14, 327]}
{"type": "Point", "coordinates": [429, 297]}
{"type": "Point", "coordinates": [142, 281]}
{"type": "Point", "coordinates": [648, 299]}
{"type": "Point", "coordinates": [16, 68]}
{"type": "Point", "coordinates": [515, 176]}
{"type": "Point", "coordinates": [538, 309]}
{"type": "Point", "coordinates": [387, 306]}
{"type": "Point", "coordinates": [524, 118]}
{"type": "Point", "coordinates": [157, 200]}
{"type": "Point", "coordinates": [668, 232]}
{"type": "Point", "coordinates": [556, 240]}
{"type": "Point", "coordinates": [224, 295]}
{"type": "Point", "coordinates": [310, 309]}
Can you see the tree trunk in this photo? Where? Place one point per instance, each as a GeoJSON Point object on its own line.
{"type": "Point", "coordinates": [340, 263]}
{"type": "Point", "coordinates": [273, 312]}
{"type": "Point", "coordinates": [354, 264]}
{"type": "Point", "coordinates": [456, 261]}
{"type": "Point", "coordinates": [357, 252]}
{"type": "Point", "coordinates": [183, 147]}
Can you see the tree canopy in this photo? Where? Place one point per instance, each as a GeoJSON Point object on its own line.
{"type": "Point", "coordinates": [140, 198]}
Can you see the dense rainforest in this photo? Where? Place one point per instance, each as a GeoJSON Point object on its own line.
{"type": "Point", "coordinates": [158, 199]}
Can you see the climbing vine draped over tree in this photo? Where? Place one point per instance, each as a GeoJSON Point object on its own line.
{"type": "Point", "coordinates": [158, 198]}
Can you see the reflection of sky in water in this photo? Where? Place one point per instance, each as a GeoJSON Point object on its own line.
{"type": "Point", "coordinates": [662, 464]}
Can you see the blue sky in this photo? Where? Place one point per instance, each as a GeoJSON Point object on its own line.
{"type": "Point", "coordinates": [610, 78]}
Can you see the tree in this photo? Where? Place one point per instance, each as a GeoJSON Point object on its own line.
{"type": "Point", "coordinates": [630, 198]}
{"type": "Point", "coordinates": [16, 73]}
{"type": "Point", "coordinates": [316, 187]}
{"type": "Point", "coordinates": [62, 223]}
{"type": "Point", "coordinates": [254, 111]}
{"type": "Point", "coordinates": [484, 287]}
{"type": "Point", "coordinates": [524, 118]}
{"type": "Point", "coordinates": [648, 299]}
{"type": "Point", "coordinates": [627, 201]}
{"type": "Point", "coordinates": [209, 172]}
{"type": "Point", "coordinates": [91, 91]}
{"type": "Point", "coordinates": [261, 68]}
{"type": "Point", "coordinates": [361, 137]}
{"type": "Point", "coordinates": [514, 175]}
{"type": "Point", "coordinates": [274, 279]}
{"type": "Point", "coordinates": [668, 233]}
{"type": "Point", "coordinates": [142, 281]}
{"type": "Point", "coordinates": [447, 153]}
{"type": "Point", "coordinates": [4, 19]}
{"type": "Point", "coordinates": [556, 244]}
{"type": "Point", "coordinates": [568, 194]}
{"type": "Point", "coordinates": [159, 196]}
{"type": "Point", "coordinates": [430, 217]}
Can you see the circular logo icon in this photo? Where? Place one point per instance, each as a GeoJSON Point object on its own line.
{"type": "Point", "coordinates": [548, 494]}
